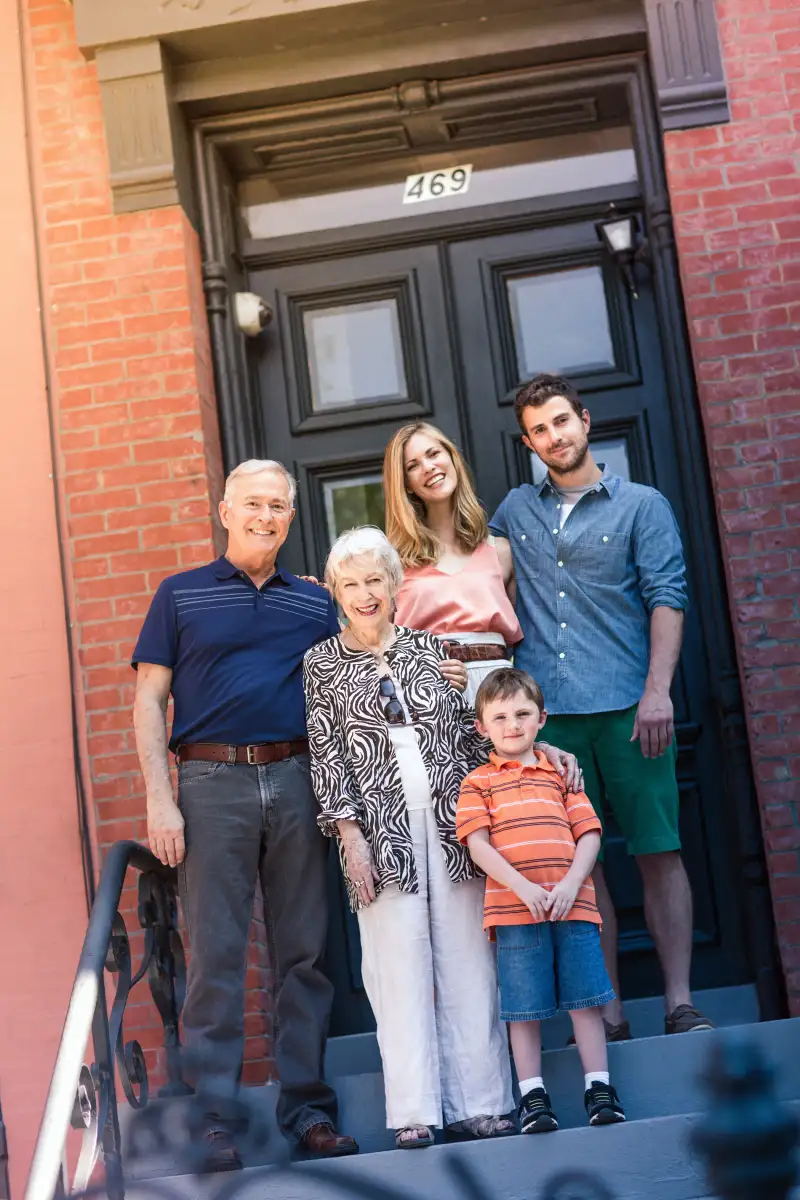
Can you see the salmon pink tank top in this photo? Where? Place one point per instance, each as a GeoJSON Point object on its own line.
{"type": "Point", "coordinates": [473, 600]}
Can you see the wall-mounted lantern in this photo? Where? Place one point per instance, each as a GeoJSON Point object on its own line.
{"type": "Point", "coordinates": [620, 236]}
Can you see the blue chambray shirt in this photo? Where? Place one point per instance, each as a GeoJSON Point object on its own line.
{"type": "Point", "coordinates": [585, 592]}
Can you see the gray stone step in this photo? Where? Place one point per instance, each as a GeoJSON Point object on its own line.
{"type": "Point", "coordinates": [643, 1158]}
{"type": "Point", "coordinates": [657, 1078]}
{"type": "Point", "coordinates": [727, 1007]}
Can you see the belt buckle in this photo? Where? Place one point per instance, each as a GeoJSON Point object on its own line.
{"type": "Point", "coordinates": [251, 756]}
{"type": "Point", "coordinates": [231, 756]}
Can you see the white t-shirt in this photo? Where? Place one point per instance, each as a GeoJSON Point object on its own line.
{"type": "Point", "coordinates": [568, 498]}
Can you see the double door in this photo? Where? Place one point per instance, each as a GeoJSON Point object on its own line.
{"type": "Point", "coordinates": [444, 329]}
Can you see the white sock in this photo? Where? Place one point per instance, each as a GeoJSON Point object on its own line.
{"type": "Point", "coordinates": [596, 1077]}
{"type": "Point", "coordinates": [527, 1085]}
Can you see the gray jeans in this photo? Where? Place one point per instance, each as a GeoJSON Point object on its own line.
{"type": "Point", "coordinates": [245, 823]}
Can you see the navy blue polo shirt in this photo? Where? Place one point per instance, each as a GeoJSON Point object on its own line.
{"type": "Point", "coordinates": [236, 652]}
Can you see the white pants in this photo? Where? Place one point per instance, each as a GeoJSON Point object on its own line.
{"type": "Point", "coordinates": [429, 972]}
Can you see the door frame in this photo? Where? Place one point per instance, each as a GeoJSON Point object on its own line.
{"type": "Point", "coordinates": [226, 263]}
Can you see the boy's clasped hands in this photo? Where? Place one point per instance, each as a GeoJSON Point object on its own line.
{"type": "Point", "coordinates": [554, 905]}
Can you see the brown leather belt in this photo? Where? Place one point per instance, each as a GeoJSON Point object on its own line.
{"type": "Point", "coordinates": [255, 756]}
{"type": "Point", "coordinates": [481, 652]}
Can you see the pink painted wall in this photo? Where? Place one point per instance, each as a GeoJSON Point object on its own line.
{"type": "Point", "coordinates": [42, 905]}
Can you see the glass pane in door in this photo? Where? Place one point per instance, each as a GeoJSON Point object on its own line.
{"type": "Point", "coordinates": [350, 502]}
{"type": "Point", "coordinates": [354, 354]}
{"type": "Point", "coordinates": [560, 322]}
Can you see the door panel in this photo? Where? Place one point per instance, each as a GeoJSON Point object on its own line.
{"type": "Point", "coordinates": [609, 347]}
{"type": "Point", "coordinates": [358, 346]}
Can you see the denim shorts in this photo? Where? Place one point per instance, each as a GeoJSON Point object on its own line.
{"type": "Point", "coordinates": [551, 966]}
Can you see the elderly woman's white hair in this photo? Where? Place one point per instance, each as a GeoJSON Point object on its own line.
{"type": "Point", "coordinates": [255, 466]}
{"type": "Point", "coordinates": [367, 541]}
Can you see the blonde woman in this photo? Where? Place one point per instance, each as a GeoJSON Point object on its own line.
{"type": "Point", "coordinates": [457, 584]}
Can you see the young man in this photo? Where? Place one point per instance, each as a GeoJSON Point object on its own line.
{"type": "Point", "coordinates": [601, 593]}
{"type": "Point", "coordinates": [537, 842]}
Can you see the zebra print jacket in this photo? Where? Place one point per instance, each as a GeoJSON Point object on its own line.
{"type": "Point", "coordinates": [353, 767]}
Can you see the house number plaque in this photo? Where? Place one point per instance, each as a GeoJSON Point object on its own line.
{"type": "Point", "coordinates": [436, 185]}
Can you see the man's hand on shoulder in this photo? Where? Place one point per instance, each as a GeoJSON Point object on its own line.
{"type": "Point", "coordinates": [165, 830]}
{"type": "Point", "coordinates": [654, 723]}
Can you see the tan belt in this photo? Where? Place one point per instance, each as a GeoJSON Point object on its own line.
{"type": "Point", "coordinates": [480, 652]}
{"type": "Point", "coordinates": [255, 756]}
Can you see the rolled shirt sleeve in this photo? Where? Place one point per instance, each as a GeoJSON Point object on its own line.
{"type": "Point", "coordinates": [471, 813]}
{"type": "Point", "coordinates": [659, 555]}
{"type": "Point", "coordinates": [581, 814]}
{"type": "Point", "coordinates": [499, 522]}
{"type": "Point", "coordinates": [334, 786]}
{"type": "Point", "coordinates": [158, 639]}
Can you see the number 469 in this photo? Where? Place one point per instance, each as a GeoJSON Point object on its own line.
{"type": "Point", "coordinates": [433, 185]}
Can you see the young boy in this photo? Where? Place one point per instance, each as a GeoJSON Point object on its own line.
{"type": "Point", "coordinates": [537, 843]}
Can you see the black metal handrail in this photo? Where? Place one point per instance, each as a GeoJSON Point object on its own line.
{"type": "Point", "coordinates": [84, 1097]}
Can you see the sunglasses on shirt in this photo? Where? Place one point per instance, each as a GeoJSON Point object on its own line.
{"type": "Point", "coordinates": [392, 709]}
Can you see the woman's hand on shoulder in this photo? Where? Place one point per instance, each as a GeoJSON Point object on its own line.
{"type": "Point", "coordinates": [454, 671]}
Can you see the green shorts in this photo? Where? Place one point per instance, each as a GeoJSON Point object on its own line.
{"type": "Point", "coordinates": [642, 793]}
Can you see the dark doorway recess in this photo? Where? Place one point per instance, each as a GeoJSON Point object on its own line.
{"type": "Point", "coordinates": [444, 316]}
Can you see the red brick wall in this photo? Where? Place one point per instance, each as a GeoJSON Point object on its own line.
{"type": "Point", "coordinates": [736, 197]}
{"type": "Point", "coordinates": [137, 454]}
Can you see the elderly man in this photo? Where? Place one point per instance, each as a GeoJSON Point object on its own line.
{"type": "Point", "coordinates": [227, 640]}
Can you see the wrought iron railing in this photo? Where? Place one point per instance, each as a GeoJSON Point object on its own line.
{"type": "Point", "coordinates": [85, 1097]}
{"type": "Point", "coordinates": [747, 1139]}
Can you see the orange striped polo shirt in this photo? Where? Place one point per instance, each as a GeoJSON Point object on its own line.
{"type": "Point", "coordinates": [534, 823]}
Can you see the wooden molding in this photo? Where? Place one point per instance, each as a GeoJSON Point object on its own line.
{"type": "Point", "coordinates": [144, 130]}
{"type": "Point", "coordinates": [450, 115]}
{"type": "Point", "coordinates": [687, 63]}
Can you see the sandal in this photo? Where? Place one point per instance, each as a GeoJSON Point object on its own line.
{"type": "Point", "coordinates": [413, 1137]}
{"type": "Point", "coordinates": [479, 1128]}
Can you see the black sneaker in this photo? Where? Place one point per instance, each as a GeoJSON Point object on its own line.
{"type": "Point", "coordinates": [602, 1105]}
{"type": "Point", "coordinates": [535, 1113]}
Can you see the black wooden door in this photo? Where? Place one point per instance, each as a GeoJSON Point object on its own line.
{"type": "Point", "coordinates": [359, 345]}
{"type": "Point", "coordinates": [445, 329]}
{"type": "Point", "coordinates": [545, 300]}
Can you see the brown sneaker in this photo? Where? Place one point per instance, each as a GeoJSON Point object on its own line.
{"type": "Point", "coordinates": [614, 1033]}
{"type": "Point", "coordinates": [221, 1154]}
{"type": "Point", "coordinates": [686, 1019]}
{"type": "Point", "coordinates": [617, 1033]}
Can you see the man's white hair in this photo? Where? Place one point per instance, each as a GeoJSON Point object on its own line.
{"type": "Point", "coordinates": [366, 541]}
{"type": "Point", "coordinates": [255, 466]}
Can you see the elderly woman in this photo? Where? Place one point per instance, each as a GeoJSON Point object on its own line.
{"type": "Point", "coordinates": [390, 742]}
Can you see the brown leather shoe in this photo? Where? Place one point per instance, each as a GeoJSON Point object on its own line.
{"type": "Point", "coordinates": [324, 1142]}
{"type": "Point", "coordinates": [221, 1154]}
